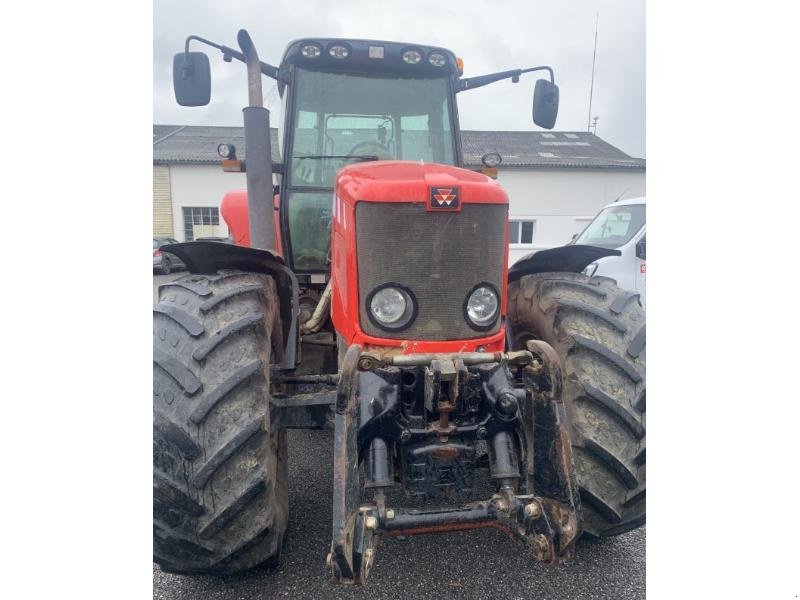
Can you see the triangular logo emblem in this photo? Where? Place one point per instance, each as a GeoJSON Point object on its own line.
{"type": "Point", "coordinates": [444, 198]}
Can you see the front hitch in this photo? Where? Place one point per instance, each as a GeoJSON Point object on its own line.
{"type": "Point", "coordinates": [537, 503]}
{"type": "Point", "coordinates": [352, 547]}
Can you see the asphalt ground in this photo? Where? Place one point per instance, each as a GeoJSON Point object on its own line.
{"type": "Point", "coordinates": [474, 564]}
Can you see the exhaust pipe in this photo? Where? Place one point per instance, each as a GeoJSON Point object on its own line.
{"type": "Point", "coordinates": [258, 149]}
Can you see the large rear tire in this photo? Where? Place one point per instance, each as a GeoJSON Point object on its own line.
{"type": "Point", "coordinates": [219, 472]}
{"type": "Point", "coordinates": [598, 331]}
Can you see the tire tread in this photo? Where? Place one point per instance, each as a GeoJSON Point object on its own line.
{"type": "Point", "coordinates": [598, 331]}
{"type": "Point", "coordinates": [219, 478]}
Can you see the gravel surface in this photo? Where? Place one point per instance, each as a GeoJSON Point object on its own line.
{"type": "Point", "coordinates": [476, 564]}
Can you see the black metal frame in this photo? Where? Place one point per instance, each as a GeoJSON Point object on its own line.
{"type": "Point", "coordinates": [537, 503]}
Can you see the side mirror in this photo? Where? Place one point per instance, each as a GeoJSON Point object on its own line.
{"type": "Point", "coordinates": [191, 78]}
{"type": "Point", "coordinates": [641, 247]}
{"type": "Point", "coordinates": [545, 103]}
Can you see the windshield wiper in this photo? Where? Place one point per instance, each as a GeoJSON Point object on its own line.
{"type": "Point", "coordinates": [353, 156]}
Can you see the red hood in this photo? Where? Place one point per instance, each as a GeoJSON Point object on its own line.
{"type": "Point", "coordinates": [404, 181]}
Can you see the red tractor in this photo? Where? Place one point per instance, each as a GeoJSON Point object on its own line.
{"type": "Point", "coordinates": [370, 290]}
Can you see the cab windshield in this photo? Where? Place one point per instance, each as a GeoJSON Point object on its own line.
{"type": "Point", "coordinates": [340, 119]}
{"type": "Point", "coordinates": [614, 226]}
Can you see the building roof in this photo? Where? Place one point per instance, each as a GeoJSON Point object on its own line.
{"type": "Point", "coordinates": [193, 144]}
{"type": "Point", "coordinates": [543, 149]}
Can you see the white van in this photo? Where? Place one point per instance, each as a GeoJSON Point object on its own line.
{"type": "Point", "coordinates": [620, 226]}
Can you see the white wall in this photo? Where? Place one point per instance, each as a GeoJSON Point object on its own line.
{"type": "Point", "coordinates": [200, 185]}
{"type": "Point", "coordinates": [560, 200]}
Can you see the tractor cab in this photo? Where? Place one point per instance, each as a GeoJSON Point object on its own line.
{"type": "Point", "coordinates": [349, 101]}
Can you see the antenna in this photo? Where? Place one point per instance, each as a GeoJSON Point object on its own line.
{"type": "Point", "coordinates": [591, 87]}
{"type": "Point", "coordinates": [617, 199]}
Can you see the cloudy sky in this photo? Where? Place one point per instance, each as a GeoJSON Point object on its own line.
{"type": "Point", "coordinates": [489, 36]}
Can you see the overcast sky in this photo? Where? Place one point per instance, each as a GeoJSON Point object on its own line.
{"type": "Point", "coordinates": [489, 36]}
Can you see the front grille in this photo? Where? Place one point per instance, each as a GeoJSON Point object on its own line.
{"type": "Point", "coordinates": [440, 256]}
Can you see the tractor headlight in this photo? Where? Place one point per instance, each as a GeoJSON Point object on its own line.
{"type": "Point", "coordinates": [391, 307]}
{"type": "Point", "coordinates": [482, 306]}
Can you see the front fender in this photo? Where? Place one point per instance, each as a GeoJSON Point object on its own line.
{"type": "Point", "coordinates": [207, 258]}
{"type": "Point", "coordinates": [573, 258]}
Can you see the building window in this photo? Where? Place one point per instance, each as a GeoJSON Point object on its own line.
{"type": "Point", "coordinates": [521, 232]}
{"type": "Point", "coordinates": [200, 221]}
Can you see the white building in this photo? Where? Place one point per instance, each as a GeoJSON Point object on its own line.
{"type": "Point", "coordinates": [556, 181]}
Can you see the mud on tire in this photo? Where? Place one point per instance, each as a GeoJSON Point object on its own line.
{"type": "Point", "coordinates": [598, 331]}
{"type": "Point", "coordinates": [219, 472]}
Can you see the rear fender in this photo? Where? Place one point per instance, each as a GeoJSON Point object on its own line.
{"type": "Point", "coordinates": [573, 258]}
{"type": "Point", "coordinates": [206, 258]}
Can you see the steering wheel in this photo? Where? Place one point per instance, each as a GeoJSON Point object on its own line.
{"type": "Point", "coordinates": [305, 171]}
{"type": "Point", "coordinates": [371, 149]}
{"type": "Point", "coordinates": [310, 257]}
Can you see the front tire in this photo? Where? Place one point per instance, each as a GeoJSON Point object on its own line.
{"type": "Point", "coordinates": [220, 500]}
{"type": "Point", "coordinates": [598, 331]}
{"type": "Point", "coordinates": [166, 266]}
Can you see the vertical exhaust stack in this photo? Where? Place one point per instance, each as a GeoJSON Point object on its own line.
{"type": "Point", "coordinates": [258, 153]}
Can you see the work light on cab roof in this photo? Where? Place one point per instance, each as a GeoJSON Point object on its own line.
{"type": "Point", "coordinates": [339, 51]}
{"type": "Point", "coordinates": [412, 57]}
{"type": "Point", "coordinates": [311, 51]}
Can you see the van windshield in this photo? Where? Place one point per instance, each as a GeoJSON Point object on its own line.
{"type": "Point", "coordinates": [614, 226]}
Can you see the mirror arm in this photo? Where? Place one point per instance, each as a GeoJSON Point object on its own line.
{"type": "Point", "coordinates": [229, 53]}
{"type": "Point", "coordinates": [475, 82]}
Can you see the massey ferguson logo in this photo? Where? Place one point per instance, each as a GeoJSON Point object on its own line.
{"type": "Point", "coordinates": [444, 198]}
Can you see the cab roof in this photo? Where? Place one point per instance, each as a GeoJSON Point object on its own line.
{"type": "Point", "coordinates": [369, 56]}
